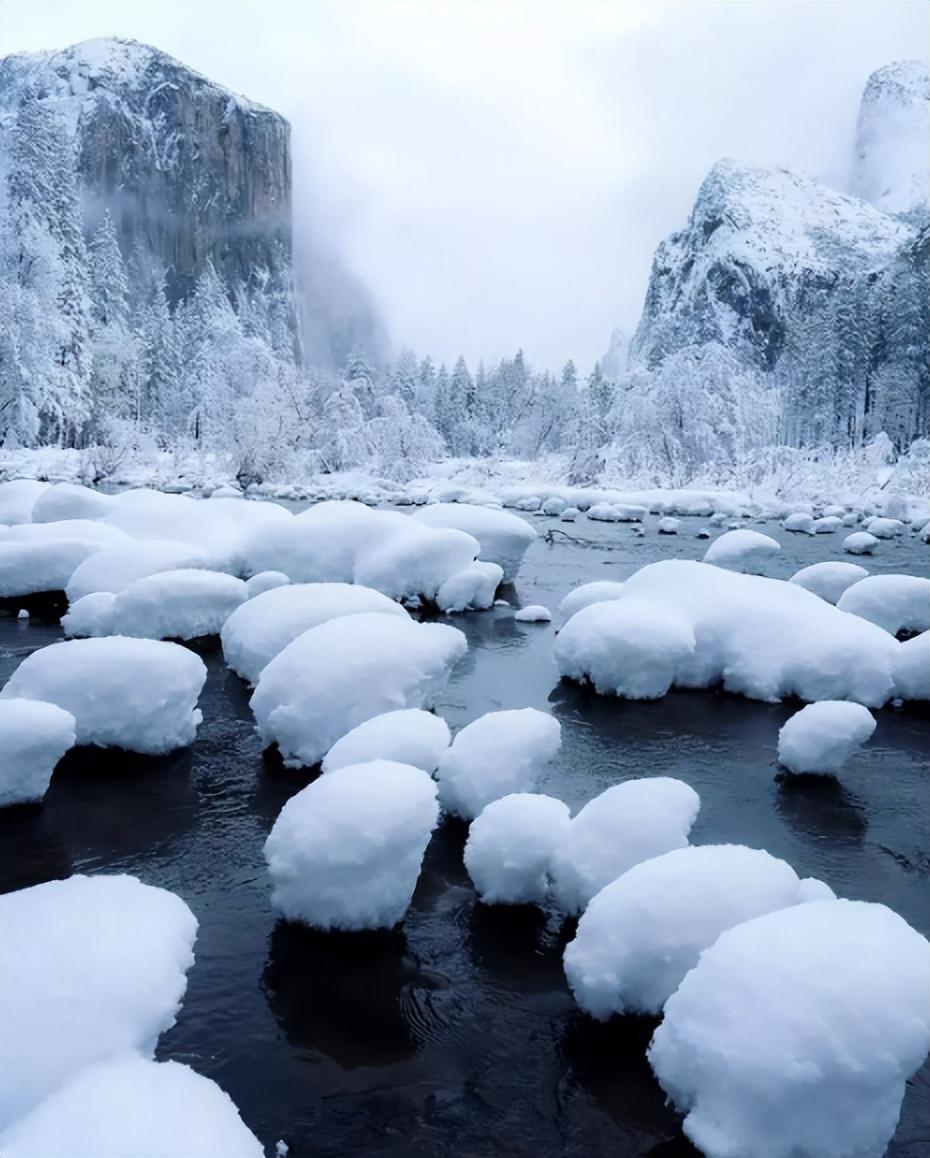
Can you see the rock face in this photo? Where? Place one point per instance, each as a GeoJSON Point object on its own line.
{"type": "Point", "coordinates": [892, 161]}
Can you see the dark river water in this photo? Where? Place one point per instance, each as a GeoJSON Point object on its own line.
{"type": "Point", "coordinates": [456, 1033]}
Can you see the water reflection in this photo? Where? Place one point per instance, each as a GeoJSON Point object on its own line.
{"type": "Point", "coordinates": [819, 807]}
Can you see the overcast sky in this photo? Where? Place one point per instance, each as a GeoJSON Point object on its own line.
{"type": "Point", "coordinates": [500, 171]}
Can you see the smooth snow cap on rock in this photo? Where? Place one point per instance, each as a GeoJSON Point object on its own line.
{"type": "Point", "coordinates": [626, 824]}
{"type": "Point", "coordinates": [597, 592]}
{"type": "Point", "coordinates": [762, 638]}
{"type": "Point", "coordinates": [625, 647]}
{"type": "Point", "coordinates": [18, 499]}
{"type": "Point", "coordinates": [129, 1107]}
{"type": "Point", "coordinates": [31, 566]}
{"type": "Point", "coordinates": [603, 513]}
{"type": "Point", "coordinates": [893, 602]}
{"type": "Point", "coordinates": [743, 550]}
{"type": "Point", "coordinates": [345, 852]}
{"type": "Point", "coordinates": [137, 694]}
{"type": "Point", "coordinates": [113, 568]}
{"type": "Point", "coordinates": [826, 525]}
{"type": "Point", "coordinates": [70, 501]}
{"type": "Point", "coordinates": [534, 613]}
{"type": "Point", "coordinates": [471, 589]}
{"type": "Point", "coordinates": [911, 668]}
{"type": "Point", "coordinates": [643, 932]}
{"type": "Point", "coordinates": [153, 515]}
{"type": "Point", "coordinates": [409, 736]}
{"type": "Point", "coordinates": [796, 1032]}
{"type": "Point", "coordinates": [184, 604]}
{"type": "Point", "coordinates": [33, 738]}
{"type": "Point", "coordinates": [263, 627]}
{"type": "Point", "coordinates": [415, 561]}
{"type": "Point", "coordinates": [860, 543]}
{"type": "Point", "coordinates": [335, 676]}
{"type": "Point", "coordinates": [821, 737]}
{"type": "Point", "coordinates": [569, 515]}
{"type": "Point", "coordinates": [510, 846]}
{"type": "Point", "coordinates": [828, 580]}
{"type": "Point", "coordinates": [800, 521]}
{"type": "Point", "coordinates": [502, 538]}
{"type": "Point", "coordinates": [265, 581]}
{"type": "Point", "coordinates": [882, 528]}
{"type": "Point", "coordinates": [495, 755]}
{"type": "Point", "coordinates": [88, 966]}
{"type": "Point", "coordinates": [554, 506]}
{"type": "Point", "coordinates": [668, 525]}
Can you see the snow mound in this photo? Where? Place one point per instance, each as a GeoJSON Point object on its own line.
{"type": "Point", "coordinates": [534, 613]}
{"type": "Point", "coordinates": [882, 528]}
{"type": "Point", "coordinates": [152, 515]}
{"type": "Point", "coordinates": [113, 568]}
{"type": "Point", "coordinates": [495, 755]}
{"type": "Point", "coordinates": [30, 566]}
{"type": "Point", "coordinates": [33, 738]}
{"type": "Point", "coordinates": [625, 647]}
{"type": "Point", "coordinates": [345, 852]}
{"type": "Point", "coordinates": [643, 932]}
{"type": "Point", "coordinates": [796, 1032]}
{"type": "Point", "coordinates": [860, 543]}
{"type": "Point", "coordinates": [129, 1107]}
{"type": "Point", "coordinates": [762, 638]}
{"type": "Point", "coordinates": [828, 580]}
{"type": "Point", "coordinates": [409, 736]}
{"type": "Point", "coordinates": [184, 604]}
{"type": "Point", "coordinates": [265, 581]}
{"type": "Point", "coordinates": [827, 525]}
{"type": "Point", "coordinates": [137, 694]}
{"type": "Point", "coordinates": [263, 627]}
{"type": "Point", "coordinates": [337, 675]}
{"type": "Point", "coordinates": [588, 593]}
{"type": "Point", "coordinates": [471, 589]}
{"type": "Point", "coordinates": [88, 966]}
{"type": "Point", "coordinates": [510, 847]}
{"type": "Point", "coordinates": [893, 602]}
{"type": "Point", "coordinates": [821, 737]}
{"type": "Point", "coordinates": [502, 538]}
{"type": "Point", "coordinates": [554, 506]}
{"type": "Point", "coordinates": [668, 525]}
{"type": "Point", "coordinates": [569, 515]}
{"type": "Point", "coordinates": [603, 513]}
{"type": "Point", "coordinates": [70, 501]}
{"type": "Point", "coordinates": [626, 824]}
{"type": "Point", "coordinates": [800, 521]}
{"type": "Point", "coordinates": [18, 499]}
{"type": "Point", "coordinates": [416, 561]}
{"type": "Point", "coordinates": [743, 550]}
{"type": "Point", "coordinates": [911, 668]}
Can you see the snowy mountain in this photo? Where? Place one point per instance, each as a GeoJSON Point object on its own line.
{"type": "Point", "coordinates": [891, 156]}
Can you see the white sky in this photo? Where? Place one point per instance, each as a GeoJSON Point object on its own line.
{"type": "Point", "coordinates": [500, 171]}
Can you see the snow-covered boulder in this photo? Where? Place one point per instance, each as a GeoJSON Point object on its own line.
{"type": "Point", "coordinates": [827, 525]}
{"type": "Point", "coordinates": [828, 580]}
{"type": "Point", "coordinates": [70, 501]}
{"type": "Point", "coordinates": [80, 530]}
{"type": "Point", "coordinates": [342, 672]}
{"type": "Point", "coordinates": [262, 627]}
{"type": "Point", "coordinates": [129, 1107]}
{"type": "Point", "coordinates": [153, 515]}
{"type": "Point", "coordinates": [569, 515]}
{"type": "Point", "coordinates": [821, 737]}
{"type": "Point", "coordinates": [495, 755]}
{"type": "Point", "coordinates": [796, 1032]}
{"type": "Point", "coordinates": [115, 567]}
{"type": "Point", "coordinates": [626, 824]}
{"type": "Point", "coordinates": [88, 966]}
{"type": "Point", "coordinates": [554, 506]}
{"type": "Point", "coordinates": [31, 566]}
{"type": "Point", "coordinates": [415, 560]}
{"type": "Point", "coordinates": [893, 602]}
{"type": "Point", "coordinates": [762, 638]}
{"type": "Point", "coordinates": [800, 521]}
{"type": "Point", "coordinates": [860, 543]}
{"type": "Point", "coordinates": [603, 513]}
{"type": "Point", "coordinates": [534, 613]}
{"type": "Point", "coordinates": [182, 604]}
{"type": "Point", "coordinates": [510, 846]}
{"type": "Point", "coordinates": [911, 668]}
{"type": "Point", "coordinates": [503, 538]}
{"type": "Point", "coordinates": [265, 581]}
{"type": "Point", "coordinates": [33, 738]}
{"type": "Point", "coordinates": [597, 592]}
{"type": "Point", "coordinates": [138, 694]}
{"type": "Point", "coordinates": [883, 528]}
{"type": "Point", "coordinates": [18, 499]}
{"type": "Point", "coordinates": [529, 503]}
{"type": "Point", "coordinates": [345, 852]}
{"type": "Point", "coordinates": [471, 589]}
{"type": "Point", "coordinates": [743, 550]}
{"type": "Point", "coordinates": [643, 932]}
{"type": "Point", "coordinates": [668, 525]}
{"type": "Point", "coordinates": [408, 736]}
{"type": "Point", "coordinates": [625, 647]}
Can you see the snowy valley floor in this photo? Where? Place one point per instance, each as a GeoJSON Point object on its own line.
{"type": "Point", "coordinates": [458, 1034]}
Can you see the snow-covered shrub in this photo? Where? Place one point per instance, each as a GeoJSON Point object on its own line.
{"type": "Point", "coordinates": [339, 674]}
{"type": "Point", "coordinates": [821, 737]}
{"type": "Point", "coordinates": [625, 824]}
{"type": "Point", "coordinates": [796, 1032]}
{"type": "Point", "coordinates": [89, 966]}
{"type": "Point", "coordinates": [643, 932]}
{"type": "Point", "coordinates": [510, 846]}
{"type": "Point", "coordinates": [495, 755]}
{"type": "Point", "coordinates": [828, 580]}
{"type": "Point", "coordinates": [345, 852]}
{"type": "Point", "coordinates": [33, 738]}
{"type": "Point", "coordinates": [138, 694]}
{"type": "Point", "coordinates": [893, 602]}
{"type": "Point", "coordinates": [409, 736]}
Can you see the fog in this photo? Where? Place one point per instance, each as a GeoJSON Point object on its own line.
{"type": "Point", "coordinates": [499, 174]}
